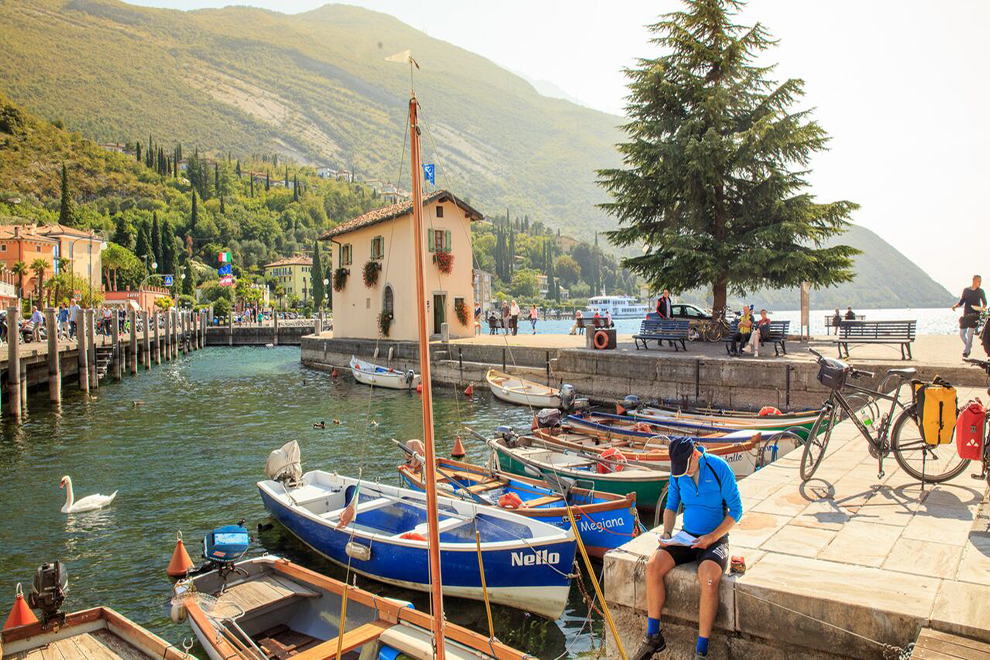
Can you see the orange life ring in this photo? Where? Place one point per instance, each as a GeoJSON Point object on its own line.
{"type": "Point", "coordinates": [642, 427]}
{"type": "Point", "coordinates": [510, 501]}
{"type": "Point", "coordinates": [615, 456]}
{"type": "Point", "coordinates": [601, 339]}
{"type": "Point", "coordinates": [769, 411]}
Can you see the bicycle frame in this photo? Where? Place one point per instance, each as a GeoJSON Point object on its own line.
{"type": "Point", "coordinates": [879, 444]}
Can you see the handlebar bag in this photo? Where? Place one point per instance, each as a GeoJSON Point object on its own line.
{"type": "Point", "coordinates": [937, 409]}
{"type": "Point", "coordinates": [833, 373]}
{"type": "Point", "coordinates": [969, 431]}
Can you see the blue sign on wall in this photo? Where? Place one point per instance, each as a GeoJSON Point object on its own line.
{"type": "Point", "coordinates": [224, 270]}
{"type": "Point", "coordinates": [429, 172]}
{"type": "Point", "coordinates": [168, 280]}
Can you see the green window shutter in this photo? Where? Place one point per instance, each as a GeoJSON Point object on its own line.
{"type": "Point", "coordinates": [446, 241]}
{"type": "Point", "coordinates": [431, 240]}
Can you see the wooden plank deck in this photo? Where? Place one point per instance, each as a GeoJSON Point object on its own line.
{"type": "Point", "coordinates": [97, 645]}
{"type": "Point", "coordinates": [935, 645]}
{"type": "Point", "coordinates": [256, 593]}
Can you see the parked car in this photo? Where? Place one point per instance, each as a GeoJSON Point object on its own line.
{"type": "Point", "coordinates": [694, 315]}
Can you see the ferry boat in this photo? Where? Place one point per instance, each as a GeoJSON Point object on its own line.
{"type": "Point", "coordinates": [620, 307]}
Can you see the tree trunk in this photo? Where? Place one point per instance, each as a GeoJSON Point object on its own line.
{"type": "Point", "coordinates": [719, 287]}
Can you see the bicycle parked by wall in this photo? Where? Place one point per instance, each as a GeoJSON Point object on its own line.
{"type": "Point", "coordinates": [717, 328]}
{"type": "Point", "coordinates": [893, 432]}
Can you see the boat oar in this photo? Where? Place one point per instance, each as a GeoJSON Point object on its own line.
{"type": "Point", "coordinates": [450, 477]}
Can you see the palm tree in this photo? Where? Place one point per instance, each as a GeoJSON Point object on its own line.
{"type": "Point", "coordinates": [279, 292]}
{"type": "Point", "coordinates": [20, 269]}
{"type": "Point", "coordinates": [63, 266]}
{"type": "Point", "coordinates": [39, 266]}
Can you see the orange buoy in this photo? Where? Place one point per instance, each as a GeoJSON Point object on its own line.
{"type": "Point", "coordinates": [458, 449]}
{"type": "Point", "coordinates": [469, 390]}
{"type": "Point", "coordinates": [180, 563]}
{"type": "Point", "coordinates": [769, 411]}
{"type": "Point", "coordinates": [334, 373]}
{"type": "Point", "coordinates": [419, 388]}
{"type": "Point", "coordinates": [20, 613]}
{"type": "Point", "coordinates": [619, 410]}
{"type": "Point", "coordinates": [510, 501]}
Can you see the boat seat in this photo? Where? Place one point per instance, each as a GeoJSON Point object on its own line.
{"type": "Point", "coordinates": [351, 639]}
{"type": "Point", "coordinates": [480, 488]}
{"type": "Point", "coordinates": [903, 373]}
{"type": "Point", "coordinates": [370, 505]}
{"type": "Point", "coordinates": [445, 526]}
{"type": "Point", "coordinates": [254, 594]}
{"type": "Point", "coordinates": [540, 501]}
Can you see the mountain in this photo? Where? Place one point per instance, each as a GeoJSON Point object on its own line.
{"type": "Point", "coordinates": [549, 89]}
{"type": "Point", "coordinates": [313, 86]}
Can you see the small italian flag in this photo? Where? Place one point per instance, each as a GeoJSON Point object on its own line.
{"type": "Point", "coordinates": [224, 257]}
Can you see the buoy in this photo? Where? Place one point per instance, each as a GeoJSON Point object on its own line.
{"type": "Point", "coordinates": [20, 613]}
{"type": "Point", "coordinates": [458, 449]}
{"type": "Point", "coordinates": [619, 410]}
{"type": "Point", "coordinates": [419, 388]}
{"type": "Point", "coordinates": [510, 501]}
{"type": "Point", "coordinates": [618, 461]}
{"type": "Point", "coordinates": [180, 563]}
{"type": "Point", "coordinates": [334, 373]}
{"type": "Point", "coordinates": [769, 411]}
{"type": "Point", "coordinates": [469, 390]}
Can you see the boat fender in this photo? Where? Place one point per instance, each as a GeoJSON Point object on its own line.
{"type": "Point", "coordinates": [769, 411]}
{"type": "Point", "coordinates": [178, 613]}
{"type": "Point", "coordinates": [411, 536]}
{"type": "Point", "coordinates": [510, 501]}
{"type": "Point", "coordinates": [615, 456]}
{"type": "Point", "coordinates": [357, 551]}
{"type": "Point", "coordinates": [178, 610]}
{"type": "Point", "coordinates": [641, 427]}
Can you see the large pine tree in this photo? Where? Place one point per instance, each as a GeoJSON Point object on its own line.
{"type": "Point", "coordinates": [714, 179]}
{"type": "Point", "coordinates": [66, 212]}
{"type": "Point", "coordinates": [316, 271]}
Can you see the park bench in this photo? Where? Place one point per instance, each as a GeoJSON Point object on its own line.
{"type": "Point", "coordinates": [659, 330]}
{"type": "Point", "coordinates": [778, 336]}
{"type": "Point", "coordinates": [900, 333]}
{"type": "Point", "coordinates": [829, 317]}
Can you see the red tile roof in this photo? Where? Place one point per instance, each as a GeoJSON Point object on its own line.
{"type": "Point", "coordinates": [397, 210]}
{"type": "Point", "coordinates": [291, 261]}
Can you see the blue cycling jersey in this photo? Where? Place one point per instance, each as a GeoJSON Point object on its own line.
{"type": "Point", "coordinates": [706, 502]}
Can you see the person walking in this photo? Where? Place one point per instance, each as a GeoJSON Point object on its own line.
{"type": "Point", "coordinates": [973, 301]}
{"type": "Point", "coordinates": [477, 318]}
{"type": "Point", "coordinates": [664, 307]}
{"type": "Point", "coordinates": [514, 317]}
{"type": "Point", "coordinates": [505, 317]}
{"type": "Point", "coordinates": [37, 320]}
{"type": "Point", "coordinates": [63, 322]}
{"type": "Point", "coordinates": [75, 316]}
{"type": "Point", "coordinates": [705, 486]}
{"type": "Point", "coordinates": [534, 316]}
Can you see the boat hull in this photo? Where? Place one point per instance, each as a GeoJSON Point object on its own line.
{"type": "Point", "coordinates": [801, 424]}
{"type": "Point", "coordinates": [522, 392]}
{"type": "Point", "coordinates": [376, 376]}
{"type": "Point", "coordinates": [532, 576]}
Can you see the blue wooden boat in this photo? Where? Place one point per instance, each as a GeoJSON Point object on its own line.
{"type": "Point", "coordinates": [605, 520]}
{"type": "Point", "coordinates": [380, 531]}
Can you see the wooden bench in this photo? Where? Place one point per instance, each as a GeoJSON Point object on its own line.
{"type": "Point", "coordinates": [778, 336]}
{"type": "Point", "coordinates": [900, 333]}
{"type": "Point", "coordinates": [661, 330]}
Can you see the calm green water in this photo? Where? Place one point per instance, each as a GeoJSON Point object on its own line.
{"type": "Point", "coordinates": [185, 444]}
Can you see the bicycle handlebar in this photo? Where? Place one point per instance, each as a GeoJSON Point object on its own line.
{"type": "Point", "coordinates": [816, 354]}
{"type": "Point", "coordinates": [856, 373]}
{"type": "Point", "coordinates": [982, 364]}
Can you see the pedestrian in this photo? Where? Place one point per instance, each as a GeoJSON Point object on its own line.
{"type": "Point", "coordinates": [63, 321]}
{"type": "Point", "coordinates": [850, 314]}
{"type": "Point", "coordinates": [741, 337]}
{"type": "Point", "coordinates": [534, 316]}
{"type": "Point", "coordinates": [492, 322]}
{"type": "Point", "coordinates": [37, 320]}
{"type": "Point", "coordinates": [837, 320]}
{"type": "Point", "coordinates": [75, 314]}
{"type": "Point", "coordinates": [608, 318]}
{"type": "Point", "coordinates": [477, 318]}
{"type": "Point", "coordinates": [505, 317]}
{"type": "Point", "coordinates": [705, 486]}
{"type": "Point", "coordinates": [107, 320]}
{"type": "Point", "coordinates": [664, 308]}
{"type": "Point", "coordinates": [514, 316]}
{"type": "Point", "coordinates": [973, 301]}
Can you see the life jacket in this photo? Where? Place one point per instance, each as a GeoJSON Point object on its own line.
{"type": "Point", "coordinates": [937, 409]}
{"type": "Point", "coordinates": [970, 428]}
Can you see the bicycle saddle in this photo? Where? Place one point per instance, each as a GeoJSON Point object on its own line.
{"type": "Point", "coordinates": [903, 373]}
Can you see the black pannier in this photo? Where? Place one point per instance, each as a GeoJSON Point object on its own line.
{"type": "Point", "coordinates": [833, 373]}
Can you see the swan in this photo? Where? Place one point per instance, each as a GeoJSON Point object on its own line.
{"type": "Point", "coordinates": [90, 503]}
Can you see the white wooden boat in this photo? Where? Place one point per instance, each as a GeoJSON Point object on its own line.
{"type": "Point", "coordinates": [523, 392]}
{"type": "Point", "coordinates": [378, 376]}
{"type": "Point", "coordinates": [271, 608]}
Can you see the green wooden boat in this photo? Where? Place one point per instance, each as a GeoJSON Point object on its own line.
{"type": "Point", "coordinates": [528, 456]}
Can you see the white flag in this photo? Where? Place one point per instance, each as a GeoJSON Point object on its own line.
{"type": "Point", "coordinates": [405, 57]}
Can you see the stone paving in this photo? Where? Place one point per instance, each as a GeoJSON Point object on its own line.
{"type": "Point", "coordinates": [878, 557]}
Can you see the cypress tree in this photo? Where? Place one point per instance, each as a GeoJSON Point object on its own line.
{"type": "Point", "coordinates": [223, 207]}
{"type": "Point", "coordinates": [156, 238]}
{"type": "Point", "coordinates": [252, 185]}
{"type": "Point", "coordinates": [268, 181]}
{"type": "Point", "coordinates": [216, 177]}
{"type": "Point", "coordinates": [167, 261]}
{"type": "Point", "coordinates": [66, 213]}
{"type": "Point", "coordinates": [194, 216]}
{"type": "Point", "coordinates": [137, 152]}
{"type": "Point", "coordinates": [189, 282]}
{"type": "Point", "coordinates": [295, 188]}
{"type": "Point", "coordinates": [286, 176]}
{"type": "Point", "coordinates": [316, 271]}
{"type": "Point", "coordinates": [716, 163]}
{"type": "Point", "coordinates": [238, 168]}
{"type": "Point", "coordinates": [143, 246]}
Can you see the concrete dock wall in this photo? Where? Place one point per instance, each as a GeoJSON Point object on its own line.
{"type": "Point", "coordinates": [254, 335]}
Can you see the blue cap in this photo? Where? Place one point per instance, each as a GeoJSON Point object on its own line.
{"type": "Point", "coordinates": [681, 449]}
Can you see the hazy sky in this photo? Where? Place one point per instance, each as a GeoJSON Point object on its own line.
{"type": "Point", "coordinates": [900, 86]}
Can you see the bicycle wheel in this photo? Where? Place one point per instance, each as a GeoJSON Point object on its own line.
{"type": "Point", "coordinates": [933, 463]}
{"type": "Point", "coordinates": [817, 442]}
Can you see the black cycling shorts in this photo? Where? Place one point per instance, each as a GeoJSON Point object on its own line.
{"type": "Point", "coordinates": [717, 552]}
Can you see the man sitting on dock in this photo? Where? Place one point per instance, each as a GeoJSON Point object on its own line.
{"type": "Point", "coordinates": [705, 486]}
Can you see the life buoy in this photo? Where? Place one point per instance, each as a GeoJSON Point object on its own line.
{"type": "Point", "coordinates": [642, 427]}
{"type": "Point", "coordinates": [769, 411]}
{"type": "Point", "coordinates": [510, 501]}
{"type": "Point", "coordinates": [615, 456]}
{"type": "Point", "coordinates": [601, 339]}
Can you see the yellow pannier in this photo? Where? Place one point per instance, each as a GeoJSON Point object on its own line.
{"type": "Point", "coordinates": [937, 408]}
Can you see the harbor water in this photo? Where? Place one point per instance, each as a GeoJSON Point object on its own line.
{"type": "Point", "coordinates": [185, 444]}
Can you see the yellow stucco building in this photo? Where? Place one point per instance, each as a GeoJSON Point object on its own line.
{"type": "Point", "coordinates": [384, 237]}
{"type": "Point", "coordinates": [294, 274]}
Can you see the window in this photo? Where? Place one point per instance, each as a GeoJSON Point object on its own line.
{"type": "Point", "coordinates": [378, 247]}
{"type": "Point", "coordinates": [439, 240]}
{"type": "Point", "coordinates": [439, 211]}
{"type": "Point", "coordinates": [388, 302]}
{"type": "Point", "coordinates": [3, 247]}
{"type": "Point", "coordinates": [345, 255]}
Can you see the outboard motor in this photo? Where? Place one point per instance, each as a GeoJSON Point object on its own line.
{"type": "Point", "coordinates": [222, 548]}
{"type": "Point", "coordinates": [631, 402]}
{"type": "Point", "coordinates": [507, 434]}
{"type": "Point", "coordinates": [580, 404]}
{"type": "Point", "coordinates": [51, 582]}
{"type": "Point", "coordinates": [410, 374]}
{"type": "Point", "coordinates": [284, 465]}
{"type": "Point", "coordinates": [548, 418]}
{"type": "Point", "coordinates": [567, 396]}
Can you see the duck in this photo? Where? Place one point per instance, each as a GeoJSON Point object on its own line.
{"type": "Point", "coordinates": [90, 503]}
{"type": "Point", "coordinates": [337, 421]}
{"type": "Point", "coordinates": [320, 425]}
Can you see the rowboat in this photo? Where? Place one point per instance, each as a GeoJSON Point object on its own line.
{"type": "Point", "coordinates": [605, 521]}
{"type": "Point", "coordinates": [608, 425]}
{"type": "Point", "coordinates": [529, 456]}
{"type": "Point", "coordinates": [520, 391]}
{"type": "Point", "coordinates": [268, 607]}
{"type": "Point", "coordinates": [380, 532]}
{"type": "Point", "coordinates": [744, 455]}
{"type": "Point", "coordinates": [800, 422]}
{"type": "Point", "coordinates": [378, 376]}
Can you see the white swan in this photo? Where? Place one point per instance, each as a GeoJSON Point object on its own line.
{"type": "Point", "coordinates": [90, 503]}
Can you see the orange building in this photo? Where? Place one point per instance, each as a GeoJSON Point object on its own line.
{"type": "Point", "coordinates": [23, 243]}
{"type": "Point", "coordinates": [137, 300]}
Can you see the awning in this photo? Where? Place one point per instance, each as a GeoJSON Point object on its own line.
{"type": "Point", "coordinates": [126, 304]}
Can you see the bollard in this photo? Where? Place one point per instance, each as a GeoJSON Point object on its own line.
{"type": "Point", "coordinates": [14, 363]}
{"type": "Point", "coordinates": [275, 339]}
{"type": "Point", "coordinates": [168, 332]}
{"type": "Point", "coordinates": [230, 328]}
{"type": "Point", "coordinates": [146, 346]}
{"type": "Point", "coordinates": [317, 326]}
{"type": "Point", "coordinates": [204, 325]}
{"type": "Point", "coordinates": [158, 339]}
{"type": "Point", "coordinates": [54, 367]}
{"type": "Point", "coordinates": [94, 376]}
{"type": "Point", "coordinates": [115, 340]}
{"type": "Point", "coordinates": [81, 353]}
{"type": "Point", "coordinates": [133, 348]}
{"type": "Point", "coordinates": [182, 332]}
